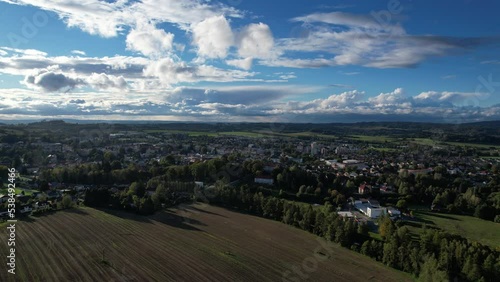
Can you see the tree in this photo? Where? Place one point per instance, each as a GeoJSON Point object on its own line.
{"type": "Point", "coordinates": [363, 229]}
{"type": "Point", "coordinates": [161, 192]}
{"type": "Point", "coordinates": [390, 254]}
{"type": "Point", "coordinates": [307, 222]}
{"type": "Point", "coordinates": [137, 188]}
{"type": "Point", "coordinates": [350, 185]}
{"type": "Point", "coordinates": [156, 201]}
{"type": "Point", "coordinates": [67, 202]}
{"type": "Point", "coordinates": [471, 270]}
{"type": "Point", "coordinates": [146, 206]}
{"type": "Point", "coordinates": [386, 227]}
{"type": "Point", "coordinates": [319, 226]}
{"type": "Point", "coordinates": [430, 271]}
{"type": "Point", "coordinates": [44, 186]}
{"type": "Point", "coordinates": [402, 205]}
{"type": "Point", "coordinates": [485, 212]}
{"type": "Point", "coordinates": [365, 248]}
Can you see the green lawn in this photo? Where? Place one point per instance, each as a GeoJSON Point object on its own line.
{"type": "Point", "coordinates": [242, 133]}
{"type": "Point", "coordinates": [475, 229]}
{"type": "Point", "coordinates": [311, 134]}
{"type": "Point", "coordinates": [430, 142]}
{"type": "Point", "coordinates": [373, 138]}
{"type": "Point", "coordinates": [18, 191]}
{"type": "Point", "coordinates": [190, 133]}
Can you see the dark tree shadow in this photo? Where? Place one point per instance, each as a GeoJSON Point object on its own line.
{"type": "Point", "coordinates": [165, 217]}
{"type": "Point", "coordinates": [193, 209]}
{"type": "Point", "coordinates": [76, 211]}
{"type": "Point", "coordinates": [440, 215]}
{"type": "Point", "coordinates": [178, 221]}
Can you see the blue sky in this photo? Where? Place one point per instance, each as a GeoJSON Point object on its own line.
{"type": "Point", "coordinates": [250, 60]}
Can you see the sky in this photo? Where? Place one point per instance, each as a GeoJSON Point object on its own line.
{"type": "Point", "coordinates": [250, 60]}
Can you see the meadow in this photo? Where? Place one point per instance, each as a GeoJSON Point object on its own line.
{"type": "Point", "coordinates": [472, 228]}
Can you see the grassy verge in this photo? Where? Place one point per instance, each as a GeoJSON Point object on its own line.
{"type": "Point", "coordinates": [472, 228]}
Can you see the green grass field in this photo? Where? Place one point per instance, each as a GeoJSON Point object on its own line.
{"type": "Point", "coordinates": [430, 142]}
{"type": "Point", "coordinates": [374, 139]}
{"type": "Point", "coordinates": [252, 134]}
{"type": "Point", "coordinates": [242, 134]}
{"type": "Point", "coordinates": [190, 133]}
{"type": "Point", "coordinates": [18, 191]}
{"type": "Point", "coordinates": [311, 134]}
{"type": "Point", "coordinates": [472, 228]}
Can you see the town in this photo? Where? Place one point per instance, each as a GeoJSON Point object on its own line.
{"type": "Point", "coordinates": [294, 176]}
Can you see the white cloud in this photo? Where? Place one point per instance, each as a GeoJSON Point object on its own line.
{"type": "Point", "coordinates": [108, 19]}
{"type": "Point", "coordinates": [354, 39]}
{"type": "Point", "coordinates": [450, 98]}
{"type": "Point", "coordinates": [150, 41]}
{"type": "Point", "coordinates": [231, 103]}
{"type": "Point", "coordinates": [298, 63]}
{"type": "Point", "coordinates": [396, 97]}
{"type": "Point", "coordinates": [367, 22]}
{"type": "Point", "coordinates": [172, 72]}
{"type": "Point", "coordinates": [78, 52]}
{"type": "Point", "coordinates": [213, 37]}
{"type": "Point", "coordinates": [245, 64]}
{"type": "Point", "coordinates": [341, 100]}
{"type": "Point", "coordinates": [103, 81]}
{"type": "Point", "coordinates": [450, 76]}
{"type": "Point", "coordinates": [24, 52]}
{"type": "Point", "coordinates": [491, 62]}
{"type": "Point", "coordinates": [256, 41]}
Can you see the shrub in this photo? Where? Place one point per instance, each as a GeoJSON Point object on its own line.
{"type": "Point", "coordinates": [67, 202]}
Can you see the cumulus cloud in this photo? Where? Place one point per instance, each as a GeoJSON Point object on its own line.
{"type": "Point", "coordinates": [51, 81]}
{"type": "Point", "coordinates": [150, 41]}
{"type": "Point", "coordinates": [245, 64]}
{"type": "Point", "coordinates": [341, 100]}
{"type": "Point", "coordinates": [450, 98]}
{"type": "Point", "coordinates": [103, 81]}
{"type": "Point", "coordinates": [172, 72]}
{"type": "Point", "coordinates": [256, 41]}
{"type": "Point", "coordinates": [395, 97]}
{"type": "Point", "coordinates": [213, 37]}
{"type": "Point", "coordinates": [228, 103]}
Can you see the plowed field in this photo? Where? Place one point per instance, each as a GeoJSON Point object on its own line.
{"type": "Point", "coordinates": [190, 243]}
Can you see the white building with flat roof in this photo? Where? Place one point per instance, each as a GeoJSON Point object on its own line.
{"type": "Point", "coordinates": [375, 212]}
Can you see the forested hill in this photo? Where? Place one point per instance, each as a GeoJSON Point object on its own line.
{"type": "Point", "coordinates": [481, 132]}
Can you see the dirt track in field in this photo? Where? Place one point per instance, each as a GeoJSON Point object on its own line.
{"type": "Point", "coordinates": [190, 243]}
